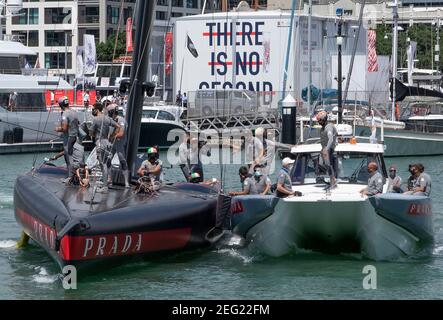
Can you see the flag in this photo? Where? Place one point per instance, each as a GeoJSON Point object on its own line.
{"type": "Point", "coordinates": [191, 47]}
{"type": "Point", "coordinates": [90, 54]}
{"type": "Point", "coordinates": [372, 53]}
{"type": "Point", "coordinates": [79, 69]}
{"type": "Point", "coordinates": [412, 49]}
{"type": "Point", "coordinates": [129, 44]}
{"type": "Point", "coordinates": [168, 52]}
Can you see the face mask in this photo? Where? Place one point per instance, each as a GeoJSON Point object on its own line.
{"type": "Point", "coordinates": [392, 175]}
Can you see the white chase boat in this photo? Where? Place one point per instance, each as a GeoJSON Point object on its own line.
{"type": "Point", "coordinates": [382, 227]}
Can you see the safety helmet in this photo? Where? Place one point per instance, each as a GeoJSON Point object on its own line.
{"type": "Point", "coordinates": [112, 109]}
{"type": "Point", "coordinates": [195, 177]}
{"type": "Point", "coordinates": [322, 116]}
{"type": "Point", "coordinates": [63, 102]}
{"type": "Point", "coordinates": [152, 153]}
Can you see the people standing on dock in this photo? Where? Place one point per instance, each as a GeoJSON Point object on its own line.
{"type": "Point", "coordinates": [69, 127]}
{"type": "Point", "coordinates": [118, 141]}
{"type": "Point", "coordinates": [284, 181]}
{"type": "Point", "coordinates": [185, 100]}
{"type": "Point", "coordinates": [86, 98]}
{"type": "Point", "coordinates": [100, 130]}
{"type": "Point", "coordinates": [178, 98]}
{"type": "Point", "coordinates": [153, 167]}
{"type": "Point", "coordinates": [375, 181]}
{"type": "Point", "coordinates": [394, 181]}
{"type": "Point", "coordinates": [328, 140]}
{"type": "Point", "coordinates": [247, 181]}
{"type": "Point", "coordinates": [422, 185]}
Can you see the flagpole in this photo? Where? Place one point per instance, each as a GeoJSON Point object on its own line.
{"type": "Point", "coordinates": [183, 63]}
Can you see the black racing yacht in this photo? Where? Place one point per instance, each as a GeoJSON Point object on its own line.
{"type": "Point", "coordinates": [89, 230]}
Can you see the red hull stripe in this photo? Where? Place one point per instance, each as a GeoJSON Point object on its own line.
{"type": "Point", "coordinates": [106, 245]}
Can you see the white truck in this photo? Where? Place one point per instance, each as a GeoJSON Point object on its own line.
{"type": "Point", "coordinates": [248, 51]}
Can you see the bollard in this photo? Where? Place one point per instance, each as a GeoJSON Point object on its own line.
{"type": "Point", "coordinates": [289, 125]}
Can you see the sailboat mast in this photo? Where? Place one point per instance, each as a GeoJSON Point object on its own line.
{"type": "Point", "coordinates": [394, 53]}
{"type": "Point", "coordinates": [309, 55]}
{"type": "Point", "coordinates": [139, 74]}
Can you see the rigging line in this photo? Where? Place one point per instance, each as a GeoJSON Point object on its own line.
{"type": "Point", "coordinates": [114, 52]}
{"type": "Point", "coordinates": [56, 87]}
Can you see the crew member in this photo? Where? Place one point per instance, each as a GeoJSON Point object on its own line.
{"type": "Point", "coordinates": [412, 178]}
{"type": "Point", "coordinates": [118, 140]}
{"type": "Point", "coordinates": [422, 185]}
{"type": "Point", "coordinates": [248, 183]}
{"type": "Point", "coordinates": [153, 167]}
{"type": "Point", "coordinates": [262, 181]}
{"type": "Point", "coordinates": [328, 140]}
{"type": "Point", "coordinates": [69, 126]}
{"type": "Point", "coordinates": [254, 150]}
{"type": "Point", "coordinates": [375, 181]}
{"type": "Point", "coordinates": [100, 130]}
{"type": "Point", "coordinates": [190, 151]}
{"type": "Point", "coordinates": [185, 100]}
{"type": "Point", "coordinates": [394, 181]}
{"type": "Point", "coordinates": [284, 182]}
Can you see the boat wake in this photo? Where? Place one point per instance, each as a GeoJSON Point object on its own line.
{"type": "Point", "coordinates": [44, 277]}
{"type": "Point", "coordinates": [437, 250]}
{"type": "Point", "coordinates": [7, 244]}
{"type": "Point", "coordinates": [6, 201]}
{"type": "Point", "coordinates": [237, 254]}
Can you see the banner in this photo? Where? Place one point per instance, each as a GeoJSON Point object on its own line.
{"type": "Point", "coordinates": [168, 52]}
{"type": "Point", "coordinates": [90, 54]}
{"type": "Point", "coordinates": [80, 66]}
{"type": "Point", "coordinates": [412, 49]}
{"type": "Point", "coordinates": [129, 43]}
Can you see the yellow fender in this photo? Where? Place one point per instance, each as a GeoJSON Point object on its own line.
{"type": "Point", "coordinates": [24, 240]}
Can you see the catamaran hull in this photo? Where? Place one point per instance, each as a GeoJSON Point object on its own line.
{"type": "Point", "coordinates": [156, 134]}
{"type": "Point", "coordinates": [377, 231]}
{"type": "Point", "coordinates": [115, 236]}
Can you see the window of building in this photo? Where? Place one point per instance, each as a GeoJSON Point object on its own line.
{"type": "Point", "coordinates": [21, 17]}
{"type": "Point", "coordinates": [160, 15]}
{"type": "Point", "coordinates": [33, 15]}
{"type": "Point", "coordinates": [113, 14]}
{"type": "Point", "coordinates": [58, 15]}
{"type": "Point", "coordinates": [192, 4]}
{"type": "Point", "coordinates": [57, 38]}
{"type": "Point", "coordinates": [56, 60]}
{"type": "Point", "coordinates": [89, 14]}
{"type": "Point", "coordinates": [176, 14]}
{"type": "Point", "coordinates": [33, 38]}
{"type": "Point", "coordinates": [177, 3]}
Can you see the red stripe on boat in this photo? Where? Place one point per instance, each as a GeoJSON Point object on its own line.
{"type": "Point", "coordinates": [107, 245]}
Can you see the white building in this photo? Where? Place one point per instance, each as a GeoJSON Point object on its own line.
{"type": "Point", "coordinates": [55, 28]}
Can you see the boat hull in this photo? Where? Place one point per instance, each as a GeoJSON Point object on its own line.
{"type": "Point", "coordinates": [370, 227]}
{"type": "Point", "coordinates": [156, 134]}
{"type": "Point", "coordinates": [110, 234]}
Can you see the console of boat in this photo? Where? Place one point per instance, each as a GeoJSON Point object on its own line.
{"type": "Point", "coordinates": [381, 227]}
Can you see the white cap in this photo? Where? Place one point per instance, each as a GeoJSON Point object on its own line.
{"type": "Point", "coordinates": [259, 131]}
{"type": "Point", "coordinates": [287, 161]}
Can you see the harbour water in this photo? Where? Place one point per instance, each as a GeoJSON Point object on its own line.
{"type": "Point", "coordinates": [220, 273]}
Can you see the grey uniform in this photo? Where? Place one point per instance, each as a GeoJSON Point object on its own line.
{"type": "Point", "coordinates": [423, 181]}
{"type": "Point", "coordinates": [101, 126]}
{"type": "Point", "coordinates": [285, 180]}
{"type": "Point", "coordinates": [375, 183]}
{"type": "Point", "coordinates": [262, 183]}
{"type": "Point", "coordinates": [249, 186]}
{"type": "Point", "coordinates": [396, 182]}
{"type": "Point", "coordinates": [119, 145]}
{"type": "Point", "coordinates": [328, 140]}
{"type": "Point", "coordinates": [70, 118]}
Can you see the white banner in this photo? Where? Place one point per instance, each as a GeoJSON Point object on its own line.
{"type": "Point", "coordinates": [79, 69]}
{"type": "Point", "coordinates": [90, 54]}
